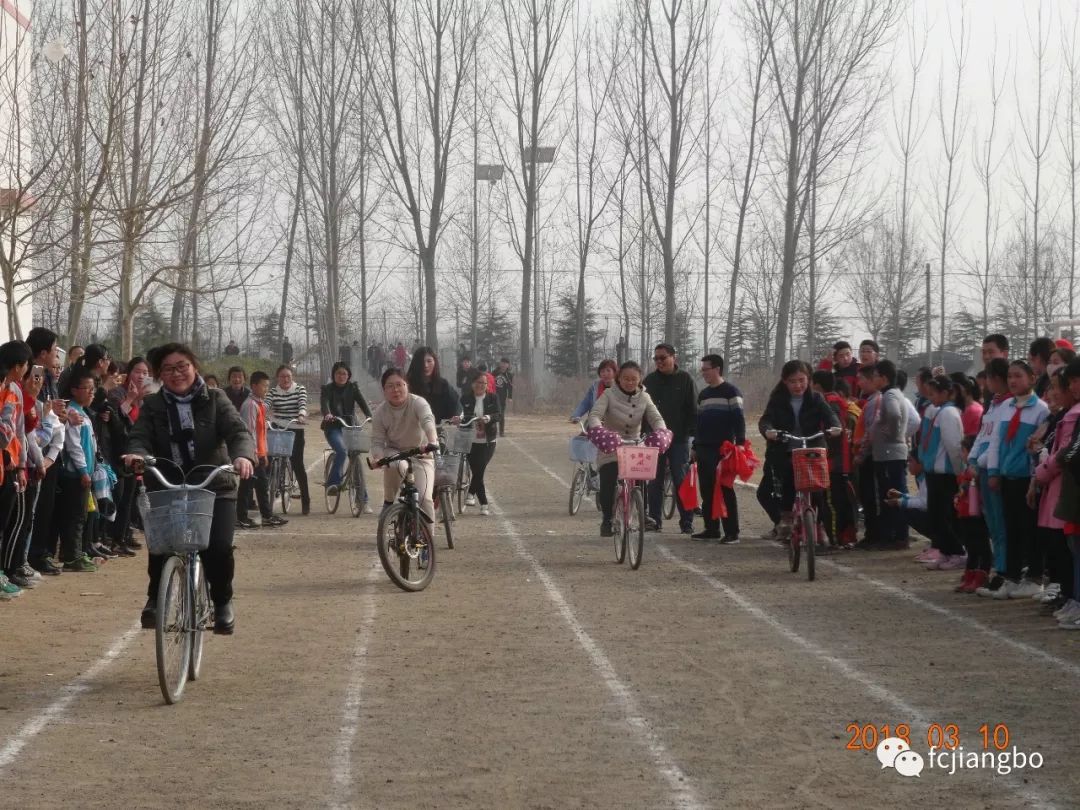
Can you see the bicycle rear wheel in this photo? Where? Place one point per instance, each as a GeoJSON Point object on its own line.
{"type": "Point", "coordinates": [618, 526]}
{"type": "Point", "coordinates": [577, 490]}
{"type": "Point", "coordinates": [809, 536]}
{"type": "Point", "coordinates": [171, 638]}
{"type": "Point", "coordinates": [405, 549]}
{"type": "Point", "coordinates": [447, 517]}
{"type": "Point", "coordinates": [669, 497]}
{"type": "Point", "coordinates": [201, 616]}
{"type": "Point", "coordinates": [635, 528]}
{"type": "Point", "coordinates": [332, 501]}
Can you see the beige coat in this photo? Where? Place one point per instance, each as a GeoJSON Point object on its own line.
{"type": "Point", "coordinates": [623, 414]}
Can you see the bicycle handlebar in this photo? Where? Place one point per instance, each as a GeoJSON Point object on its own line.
{"type": "Point", "coordinates": [404, 455]}
{"type": "Point", "coordinates": [459, 424]}
{"type": "Point", "coordinates": [150, 463]}
{"type": "Point", "coordinates": [274, 424]}
{"type": "Point", "coordinates": [784, 436]}
{"type": "Point", "coordinates": [333, 418]}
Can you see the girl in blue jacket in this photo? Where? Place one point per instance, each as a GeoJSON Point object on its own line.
{"type": "Point", "coordinates": [1010, 466]}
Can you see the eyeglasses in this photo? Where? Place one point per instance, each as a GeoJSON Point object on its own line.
{"type": "Point", "coordinates": [660, 358]}
{"type": "Point", "coordinates": [179, 368]}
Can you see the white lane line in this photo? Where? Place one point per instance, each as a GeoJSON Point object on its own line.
{"type": "Point", "coordinates": [972, 624]}
{"type": "Point", "coordinates": [538, 463]}
{"type": "Point", "coordinates": [684, 795]}
{"type": "Point", "coordinates": [350, 712]}
{"type": "Point", "coordinates": [844, 667]}
{"type": "Point", "coordinates": [68, 693]}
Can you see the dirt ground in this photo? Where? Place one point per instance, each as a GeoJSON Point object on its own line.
{"type": "Point", "coordinates": [534, 672]}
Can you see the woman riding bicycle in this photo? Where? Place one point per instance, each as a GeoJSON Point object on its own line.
{"type": "Point", "coordinates": [402, 422]}
{"type": "Point", "coordinates": [288, 402]}
{"type": "Point", "coordinates": [620, 409]}
{"type": "Point", "coordinates": [606, 372]}
{"type": "Point", "coordinates": [425, 382]}
{"type": "Point", "coordinates": [793, 408]}
{"type": "Point", "coordinates": [340, 398]}
{"type": "Point", "coordinates": [194, 426]}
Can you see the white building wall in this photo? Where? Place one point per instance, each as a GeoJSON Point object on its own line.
{"type": "Point", "coordinates": [15, 50]}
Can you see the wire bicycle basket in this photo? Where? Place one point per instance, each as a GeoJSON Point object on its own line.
{"type": "Point", "coordinates": [177, 521]}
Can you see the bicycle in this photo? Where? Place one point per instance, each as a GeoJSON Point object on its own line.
{"type": "Point", "coordinates": [458, 440]}
{"type": "Point", "coordinates": [811, 468]}
{"type": "Point", "coordinates": [452, 474]}
{"type": "Point", "coordinates": [357, 441]}
{"type": "Point", "coordinates": [637, 466]}
{"type": "Point", "coordinates": [405, 539]}
{"type": "Point", "coordinates": [279, 447]}
{"type": "Point", "coordinates": [584, 481]}
{"type": "Point", "coordinates": [176, 522]}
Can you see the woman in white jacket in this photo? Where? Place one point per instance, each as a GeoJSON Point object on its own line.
{"type": "Point", "coordinates": [621, 409]}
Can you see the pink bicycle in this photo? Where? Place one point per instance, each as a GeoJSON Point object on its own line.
{"type": "Point", "coordinates": [637, 465]}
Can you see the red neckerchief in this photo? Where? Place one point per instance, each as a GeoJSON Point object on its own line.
{"type": "Point", "coordinates": [1014, 421]}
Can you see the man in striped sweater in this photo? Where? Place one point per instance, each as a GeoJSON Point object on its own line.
{"type": "Point", "coordinates": [720, 419]}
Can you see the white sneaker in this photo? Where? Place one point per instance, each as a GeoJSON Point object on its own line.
{"type": "Point", "coordinates": [1072, 606]}
{"type": "Point", "coordinates": [470, 501]}
{"type": "Point", "coordinates": [1006, 591]}
{"type": "Point", "coordinates": [1049, 593]}
{"type": "Point", "coordinates": [1026, 589]}
{"type": "Point", "coordinates": [484, 510]}
{"type": "Point", "coordinates": [367, 509]}
{"type": "Point", "coordinates": [28, 571]}
{"type": "Point", "coordinates": [1070, 625]}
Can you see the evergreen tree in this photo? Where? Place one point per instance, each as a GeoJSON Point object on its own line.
{"type": "Point", "coordinates": [562, 357]}
{"type": "Point", "coordinates": [266, 333]}
{"type": "Point", "coordinates": [494, 336]}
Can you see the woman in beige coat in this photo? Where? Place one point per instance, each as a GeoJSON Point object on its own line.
{"type": "Point", "coordinates": [621, 409]}
{"type": "Point", "coordinates": [404, 421]}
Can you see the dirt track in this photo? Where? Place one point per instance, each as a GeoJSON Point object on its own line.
{"type": "Point", "coordinates": [534, 672]}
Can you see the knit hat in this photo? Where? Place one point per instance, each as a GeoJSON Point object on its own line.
{"type": "Point", "coordinates": [1062, 343]}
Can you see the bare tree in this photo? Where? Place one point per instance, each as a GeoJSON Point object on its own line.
{"type": "Point", "coordinates": [797, 32]}
{"type": "Point", "coordinates": [672, 40]}
{"type": "Point", "coordinates": [436, 41]}
{"type": "Point", "coordinates": [952, 120]}
{"type": "Point", "coordinates": [1037, 132]}
{"type": "Point", "coordinates": [1071, 67]}
{"type": "Point", "coordinates": [530, 91]}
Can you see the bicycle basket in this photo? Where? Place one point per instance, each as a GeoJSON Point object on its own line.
{"type": "Point", "coordinates": [446, 470]}
{"type": "Point", "coordinates": [637, 462]}
{"type": "Point", "coordinates": [582, 451]}
{"type": "Point", "coordinates": [357, 440]}
{"type": "Point", "coordinates": [177, 521]}
{"type": "Point", "coordinates": [460, 440]}
{"type": "Point", "coordinates": [279, 443]}
{"type": "Point", "coordinates": [811, 466]}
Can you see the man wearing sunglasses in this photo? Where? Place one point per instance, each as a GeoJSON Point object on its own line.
{"type": "Point", "coordinates": [675, 395]}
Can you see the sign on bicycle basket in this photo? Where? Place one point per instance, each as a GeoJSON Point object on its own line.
{"type": "Point", "coordinates": [637, 462]}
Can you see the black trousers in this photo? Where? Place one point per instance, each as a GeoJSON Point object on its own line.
{"type": "Point", "coordinates": [124, 495]}
{"type": "Point", "coordinates": [892, 524]}
{"type": "Point", "coordinates": [609, 476]}
{"type": "Point", "coordinates": [71, 517]}
{"type": "Point", "coordinates": [43, 536]}
{"type": "Point", "coordinates": [866, 486]}
{"type": "Point", "coordinates": [1020, 525]}
{"type": "Point", "coordinates": [11, 545]}
{"type": "Point", "coordinates": [776, 493]}
{"type": "Point", "coordinates": [217, 559]}
{"type": "Point", "coordinates": [502, 421]}
{"type": "Point", "coordinates": [708, 458]}
{"type": "Point", "coordinates": [299, 470]}
{"type": "Point", "coordinates": [976, 539]}
{"type": "Point", "coordinates": [257, 487]}
{"type": "Point", "coordinates": [839, 513]}
{"type": "Point", "coordinates": [479, 457]}
{"type": "Point", "coordinates": [1058, 560]}
{"type": "Point", "coordinates": [941, 488]}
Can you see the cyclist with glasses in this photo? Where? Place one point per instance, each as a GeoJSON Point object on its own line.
{"type": "Point", "coordinates": [194, 426]}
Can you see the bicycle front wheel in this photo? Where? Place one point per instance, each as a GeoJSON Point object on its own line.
{"type": "Point", "coordinates": [201, 618]}
{"type": "Point", "coordinates": [635, 528]}
{"type": "Point", "coordinates": [447, 517]}
{"type": "Point", "coordinates": [405, 549]}
{"type": "Point", "coordinates": [356, 486]}
{"type": "Point", "coordinates": [172, 640]}
{"type": "Point", "coordinates": [809, 537]}
{"type": "Point", "coordinates": [577, 490]}
{"type": "Point", "coordinates": [332, 501]}
{"type": "Point", "coordinates": [795, 542]}
{"type": "Point", "coordinates": [464, 479]}
{"type": "Point", "coordinates": [286, 485]}
{"type": "Point", "coordinates": [618, 524]}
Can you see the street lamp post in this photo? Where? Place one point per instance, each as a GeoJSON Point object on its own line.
{"type": "Point", "coordinates": [533, 156]}
{"type": "Point", "coordinates": [492, 172]}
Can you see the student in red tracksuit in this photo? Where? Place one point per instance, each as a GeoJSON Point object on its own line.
{"type": "Point", "coordinates": [839, 515]}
